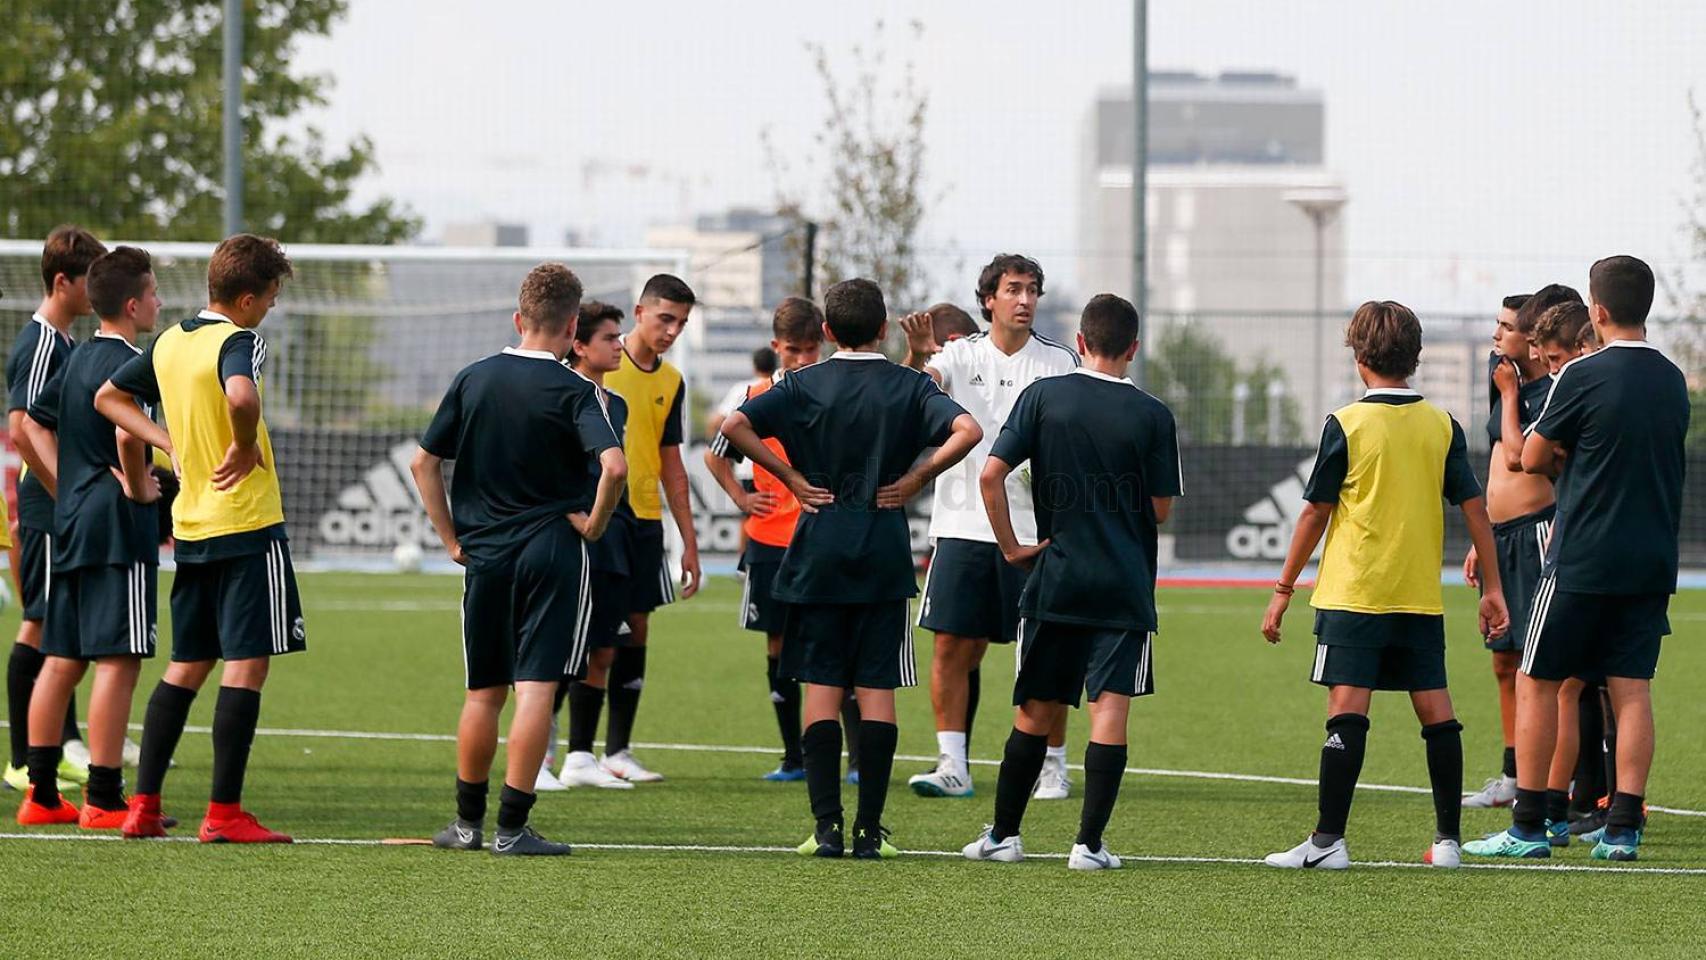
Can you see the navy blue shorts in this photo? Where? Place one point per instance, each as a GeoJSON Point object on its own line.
{"type": "Point", "coordinates": [238, 608]}
{"type": "Point", "coordinates": [971, 591]}
{"type": "Point", "coordinates": [651, 583]}
{"type": "Point", "coordinates": [106, 611]}
{"type": "Point", "coordinates": [1594, 634]}
{"type": "Point", "coordinates": [1521, 547]}
{"type": "Point", "coordinates": [1058, 661]}
{"type": "Point", "coordinates": [850, 644]}
{"type": "Point", "coordinates": [527, 619]}
{"type": "Point", "coordinates": [35, 560]}
{"type": "Point", "coordinates": [1379, 651]}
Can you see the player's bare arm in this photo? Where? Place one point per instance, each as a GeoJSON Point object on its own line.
{"type": "Point", "coordinates": [40, 450]}
{"type": "Point", "coordinates": [965, 435]}
{"type": "Point", "coordinates": [759, 503]}
{"type": "Point", "coordinates": [120, 407]}
{"type": "Point", "coordinates": [428, 471]}
{"type": "Point", "coordinates": [1311, 526]}
{"type": "Point", "coordinates": [1540, 455]}
{"type": "Point", "coordinates": [135, 472]}
{"type": "Point", "coordinates": [745, 439]}
{"type": "Point", "coordinates": [243, 457]}
{"type": "Point", "coordinates": [993, 484]}
{"type": "Point", "coordinates": [920, 342]}
{"type": "Point", "coordinates": [1494, 615]}
{"type": "Point", "coordinates": [612, 478]}
{"type": "Point", "coordinates": [673, 473]}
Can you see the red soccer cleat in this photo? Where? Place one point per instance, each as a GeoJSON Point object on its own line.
{"type": "Point", "coordinates": [94, 818]}
{"type": "Point", "coordinates": [230, 823]}
{"type": "Point", "coordinates": [33, 814]}
{"type": "Point", "coordinates": [143, 818]}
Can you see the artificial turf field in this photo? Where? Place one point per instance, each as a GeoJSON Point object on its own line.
{"type": "Point", "coordinates": [384, 657]}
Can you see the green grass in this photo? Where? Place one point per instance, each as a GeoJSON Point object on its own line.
{"type": "Point", "coordinates": [384, 656]}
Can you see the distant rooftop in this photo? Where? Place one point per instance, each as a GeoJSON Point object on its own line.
{"type": "Point", "coordinates": [1237, 117]}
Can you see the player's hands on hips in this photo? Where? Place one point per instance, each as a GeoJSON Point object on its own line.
{"type": "Point", "coordinates": [149, 493]}
{"type": "Point", "coordinates": [239, 462]}
{"type": "Point", "coordinates": [920, 337]}
{"type": "Point", "coordinates": [1495, 616]}
{"type": "Point", "coordinates": [582, 522]}
{"type": "Point", "coordinates": [759, 504]}
{"type": "Point", "coordinates": [1276, 613]}
{"type": "Point", "coordinates": [690, 573]}
{"type": "Point", "coordinates": [899, 493]}
{"type": "Point", "coordinates": [1025, 557]}
{"type": "Point", "coordinates": [454, 548]}
{"type": "Point", "coordinates": [810, 497]}
{"type": "Point", "coordinates": [1505, 375]}
{"type": "Point", "coordinates": [1472, 569]}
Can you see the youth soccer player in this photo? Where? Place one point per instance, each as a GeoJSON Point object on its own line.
{"type": "Point", "coordinates": [971, 594]}
{"type": "Point", "coordinates": [105, 550]}
{"type": "Point", "coordinates": [1621, 414]}
{"type": "Point", "coordinates": [771, 516]}
{"type": "Point", "coordinates": [657, 396]}
{"type": "Point", "coordinates": [1105, 468]}
{"type": "Point", "coordinates": [234, 595]}
{"type": "Point", "coordinates": [1519, 505]}
{"type": "Point", "coordinates": [853, 428]}
{"type": "Point", "coordinates": [597, 352]}
{"type": "Point", "coordinates": [524, 431]}
{"type": "Point", "coordinates": [1385, 461]}
{"type": "Point", "coordinates": [42, 347]}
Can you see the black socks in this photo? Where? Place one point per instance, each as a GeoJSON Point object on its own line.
{"type": "Point", "coordinates": [1528, 814]}
{"type": "Point", "coordinates": [1020, 764]}
{"type": "Point", "coordinates": [974, 688]}
{"type": "Point", "coordinates": [1341, 765]}
{"type": "Point", "coordinates": [43, 763]}
{"type": "Point", "coordinates": [627, 677]}
{"type": "Point", "coordinates": [876, 764]}
{"type": "Point", "coordinates": [22, 668]}
{"type": "Point", "coordinates": [1510, 762]}
{"type": "Point", "coordinates": [106, 788]}
{"type": "Point", "coordinates": [785, 697]}
{"type": "Point", "coordinates": [1626, 815]}
{"type": "Point", "coordinates": [586, 702]}
{"type": "Point", "coordinates": [1445, 772]}
{"type": "Point", "coordinates": [1104, 766]}
{"type": "Point", "coordinates": [821, 744]}
{"type": "Point", "coordinates": [235, 715]}
{"type": "Point", "coordinates": [162, 727]}
{"type": "Point", "coordinates": [513, 807]}
{"type": "Point", "coordinates": [471, 800]}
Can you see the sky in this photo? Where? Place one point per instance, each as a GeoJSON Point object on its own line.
{"type": "Point", "coordinates": [1487, 148]}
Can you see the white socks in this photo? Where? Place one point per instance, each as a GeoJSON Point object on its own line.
{"type": "Point", "coordinates": [952, 744]}
{"type": "Point", "coordinates": [1057, 753]}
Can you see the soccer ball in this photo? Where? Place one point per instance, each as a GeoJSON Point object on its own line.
{"type": "Point", "coordinates": [407, 557]}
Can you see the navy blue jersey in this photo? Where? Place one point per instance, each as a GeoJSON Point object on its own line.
{"type": "Point", "coordinates": [1531, 397]}
{"type": "Point", "coordinates": [1099, 449]}
{"type": "Point", "coordinates": [852, 424]}
{"type": "Point", "coordinates": [1622, 415]}
{"type": "Point", "coordinates": [609, 553]}
{"type": "Point", "coordinates": [522, 429]}
{"type": "Point", "coordinates": [94, 523]}
{"type": "Point", "coordinates": [37, 355]}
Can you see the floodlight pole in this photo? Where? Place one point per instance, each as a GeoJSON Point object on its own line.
{"type": "Point", "coordinates": [1320, 206]}
{"type": "Point", "coordinates": [233, 118]}
{"type": "Point", "coordinates": [1139, 181]}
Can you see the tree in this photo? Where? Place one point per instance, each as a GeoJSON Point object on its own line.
{"type": "Point", "coordinates": [112, 114]}
{"type": "Point", "coordinates": [1689, 347]}
{"type": "Point", "coordinates": [873, 192]}
{"type": "Point", "coordinates": [1191, 372]}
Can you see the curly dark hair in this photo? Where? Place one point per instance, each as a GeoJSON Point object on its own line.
{"type": "Point", "coordinates": [1004, 263]}
{"type": "Point", "coordinates": [550, 297]}
{"type": "Point", "coordinates": [1562, 324]}
{"type": "Point", "coordinates": [1386, 338]}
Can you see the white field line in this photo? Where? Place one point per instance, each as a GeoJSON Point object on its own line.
{"type": "Point", "coordinates": [942, 854]}
{"type": "Point", "coordinates": [909, 758]}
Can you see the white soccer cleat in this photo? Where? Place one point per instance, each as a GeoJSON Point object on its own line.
{"type": "Point", "coordinates": [1010, 850]}
{"type": "Point", "coordinates": [949, 779]}
{"type": "Point", "coordinates": [1499, 792]}
{"type": "Point", "coordinates": [581, 769]}
{"type": "Point", "coordinates": [76, 753]}
{"type": "Point", "coordinates": [1083, 859]}
{"type": "Point", "coordinates": [544, 782]}
{"type": "Point", "coordinates": [625, 766]}
{"type": "Point", "coordinates": [1307, 856]}
{"type": "Point", "coordinates": [1053, 783]}
{"type": "Point", "coordinates": [1444, 853]}
{"type": "Point", "coordinates": [132, 752]}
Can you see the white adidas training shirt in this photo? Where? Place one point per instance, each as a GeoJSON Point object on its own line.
{"type": "Point", "coordinates": [986, 382]}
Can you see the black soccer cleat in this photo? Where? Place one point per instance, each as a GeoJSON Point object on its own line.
{"type": "Point", "coordinates": [872, 843]}
{"type": "Point", "coordinates": [826, 841]}
{"type": "Point", "coordinates": [459, 834]}
{"type": "Point", "coordinates": [526, 842]}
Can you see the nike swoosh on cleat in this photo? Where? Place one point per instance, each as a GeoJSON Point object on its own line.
{"type": "Point", "coordinates": [504, 844]}
{"type": "Point", "coordinates": [1308, 863]}
{"type": "Point", "coordinates": [464, 836]}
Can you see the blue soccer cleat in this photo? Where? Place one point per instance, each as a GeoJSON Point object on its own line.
{"type": "Point", "coordinates": [1558, 833]}
{"type": "Point", "coordinates": [1509, 845]}
{"type": "Point", "coordinates": [1620, 847]}
{"type": "Point", "coordinates": [785, 774]}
